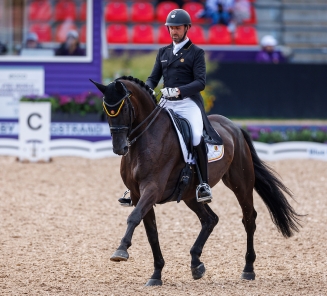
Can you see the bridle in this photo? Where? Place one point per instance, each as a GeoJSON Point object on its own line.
{"type": "Point", "coordinates": [122, 128]}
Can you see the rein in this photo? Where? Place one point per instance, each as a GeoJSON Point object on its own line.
{"type": "Point", "coordinates": [118, 129]}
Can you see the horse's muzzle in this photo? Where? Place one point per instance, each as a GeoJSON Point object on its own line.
{"type": "Point", "coordinates": [120, 143]}
{"type": "Point", "coordinates": [122, 151]}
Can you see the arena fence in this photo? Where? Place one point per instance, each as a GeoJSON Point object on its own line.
{"type": "Point", "coordinates": [34, 141]}
{"type": "Point", "coordinates": [82, 148]}
{"type": "Point", "coordinates": [61, 147]}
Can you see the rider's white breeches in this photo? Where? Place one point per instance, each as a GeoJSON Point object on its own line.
{"type": "Point", "coordinates": [189, 109]}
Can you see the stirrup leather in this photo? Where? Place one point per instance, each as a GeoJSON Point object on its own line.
{"type": "Point", "coordinates": [204, 187]}
{"type": "Point", "coordinates": [126, 201]}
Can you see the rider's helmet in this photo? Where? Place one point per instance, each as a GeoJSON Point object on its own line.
{"type": "Point", "coordinates": [178, 17]}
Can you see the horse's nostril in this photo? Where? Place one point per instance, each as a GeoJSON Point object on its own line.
{"type": "Point", "coordinates": [125, 149]}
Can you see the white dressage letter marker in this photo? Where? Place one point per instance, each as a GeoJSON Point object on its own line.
{"type": "Point", "coordinates": [34, 131]}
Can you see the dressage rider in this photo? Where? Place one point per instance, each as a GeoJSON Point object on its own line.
{"type": "Point", "coordinates": [183, 68]}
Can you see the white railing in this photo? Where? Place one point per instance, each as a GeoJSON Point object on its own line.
{"type": "Point", "coordinates": [291, 150]}
{"type": "Point", "coordinates": [64, 147]}
{"type": "Point", "coordinates": [82, 148]}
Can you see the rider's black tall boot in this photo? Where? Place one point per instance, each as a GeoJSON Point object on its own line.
{"type": "Point", "coordinates": [203, 191]}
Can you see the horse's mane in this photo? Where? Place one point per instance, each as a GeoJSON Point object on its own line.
{"type": "Point", "coordinates": [140, 83]}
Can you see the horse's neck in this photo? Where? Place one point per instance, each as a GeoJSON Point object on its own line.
{"type": "Point", "coordinates": [145, 107]}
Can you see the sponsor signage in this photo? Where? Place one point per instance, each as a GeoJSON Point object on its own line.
{"type": "Point", "coordinates": [16, 82]}
{"type": "Point", "coordinates": [80, 129]}
{"type": "Point", "coordinates": [8, 129]}
{"type": "Point", "coordinates": [62, 129]}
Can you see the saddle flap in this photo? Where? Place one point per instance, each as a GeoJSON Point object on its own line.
{"type": "Point", "coordinates": [185, 129]}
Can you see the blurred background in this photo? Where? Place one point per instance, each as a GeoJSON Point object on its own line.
{"type": "Point", "coordinates": [266, 59]}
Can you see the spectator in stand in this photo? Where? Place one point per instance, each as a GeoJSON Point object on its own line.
{"type": "Point", "coordinates": [241, 11]}
{"type": "Point", "coordinates": [268, 54]}
{"type": "Point", "coordinates": [219, 11]}
{"type": "Point", "coordinates": [32, 41]}
{"type": "Point", "coordinates": [3, 48]}
{"type": "Point", "coordinates": [71, 47]}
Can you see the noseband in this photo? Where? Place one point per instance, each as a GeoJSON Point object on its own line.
{"type": "Point", "coordinates": [122, 128]}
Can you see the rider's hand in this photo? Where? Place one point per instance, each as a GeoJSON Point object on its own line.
{"type": "Point", "coordinates": [168, 92]}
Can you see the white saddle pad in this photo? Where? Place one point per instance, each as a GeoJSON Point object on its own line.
{"type": "Point", "coordinates": [215, 152]}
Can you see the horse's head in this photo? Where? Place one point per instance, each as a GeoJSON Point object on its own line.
{"type": "Point", "coordinates": [120, 113]}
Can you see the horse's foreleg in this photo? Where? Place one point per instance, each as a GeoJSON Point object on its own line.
{"type": "Point", "coordinates": [149, 221]}
{"type": "Point", "coordinates": [145, 203]}
{"type": "Point", "coordinates": [208, 221]}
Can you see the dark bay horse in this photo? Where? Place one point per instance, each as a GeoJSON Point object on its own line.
{"type": "Point", "coordinates": [152, 160]}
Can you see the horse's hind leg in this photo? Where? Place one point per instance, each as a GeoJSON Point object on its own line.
{"type": "Point", "coordinates": [208, 221]}
{"type": "Point", "coordinates": [241, 182]}
{"type": "Point", "coordinates": [149, 221]}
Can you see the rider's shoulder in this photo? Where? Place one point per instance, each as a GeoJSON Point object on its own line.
{"type": "Point", "coordinates": [196, 48]}
{"type": "Point", "coordinates": [169, 46]}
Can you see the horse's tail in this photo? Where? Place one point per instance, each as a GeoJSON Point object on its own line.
{"type": "Point", "coordinates": [270, 188]}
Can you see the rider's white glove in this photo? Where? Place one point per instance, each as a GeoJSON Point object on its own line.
{"type": "Point", "coordinates": [168, 92]}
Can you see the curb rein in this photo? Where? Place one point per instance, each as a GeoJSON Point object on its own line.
{"type": "Point", "coordinates": [119, 129]}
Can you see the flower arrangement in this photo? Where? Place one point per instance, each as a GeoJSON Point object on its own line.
{"type": "Point", "coordinates": [285, 134]}
{"type": "Point", "coordinates": [82, 104]}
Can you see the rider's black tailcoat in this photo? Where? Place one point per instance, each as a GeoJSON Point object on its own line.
{"type": "Point", "coordinates": [185, 70]}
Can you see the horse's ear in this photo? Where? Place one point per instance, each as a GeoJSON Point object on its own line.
{"type": "Point", "coordinates": [119, 87]}
{"type": "Point", "coordinates": [100, 87]}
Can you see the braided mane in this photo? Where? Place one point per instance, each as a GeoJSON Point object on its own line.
{"type": "Point", "coordinates": [140, 83]}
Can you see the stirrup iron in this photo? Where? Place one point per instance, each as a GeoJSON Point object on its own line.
{"type": "Point", "coordinates": [126, 201]}
{"type": "Point", "coordinates": [207, 198]}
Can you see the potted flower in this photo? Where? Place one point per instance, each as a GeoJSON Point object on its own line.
{"type": "Point", "coordinates": [85, 107]}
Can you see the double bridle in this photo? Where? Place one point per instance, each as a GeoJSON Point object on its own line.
{"type": "Point", "coordinates": [122, 128]}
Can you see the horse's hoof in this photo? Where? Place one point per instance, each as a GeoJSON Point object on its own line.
{"type": "Point", "coordinates": [119, 255]}
{"type": "Point", "coordinates": [153, 282]}
{"type": "Point", "coordinates": [249, 276]}
{"type": "Point", "coordinates": [198, 272]}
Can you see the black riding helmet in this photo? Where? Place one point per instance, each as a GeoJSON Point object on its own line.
{"type": "Point", "coordinates": [178, 17]}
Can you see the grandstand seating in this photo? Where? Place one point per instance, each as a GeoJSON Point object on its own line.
{"type": "Point", "coordinates": [253, 17]}
{"type": "Point", "coordinates": [245, 35]}
{"type": "Point", "coordinates": [63, 29]}
{"type": "Point", "coordinates": [142, 12]}
{"type": "Point", "coordinates": [142, 34]}
{"type": "Point", "coordinates": [193, 8]}
{"type": "Point", "coordinates": [117, 33]}
{"type": "Point", "coordinates": [163, 35]}
{"type": "Point", "coordinates": [133, 21]}
{"type": "Point", "coordinates": [163, 9]}
{"type": "Point", "coordinates": [219, 35]}
{"type": "Point", "coordinates": [136, 17]}
{"type": "Point", "coordinates": [65, 10]}
{"type": "Point", "coordinates": [82, 34]}
{"type": "Point", "coordinates": [82, 14]}
{"type": "Point", "coordinates": [128, 15]}
{"type": "Point", "coordinates": [196, 34]}
{"type": "Point", "coordinates": [43, 31]}
{"type": "Point", "coordinates": [39, 10]}
{"type": "Point", "coordinates": [116, 12]}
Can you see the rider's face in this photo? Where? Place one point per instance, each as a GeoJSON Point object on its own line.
{"type": "Point", "coordinates": [177, 33]}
